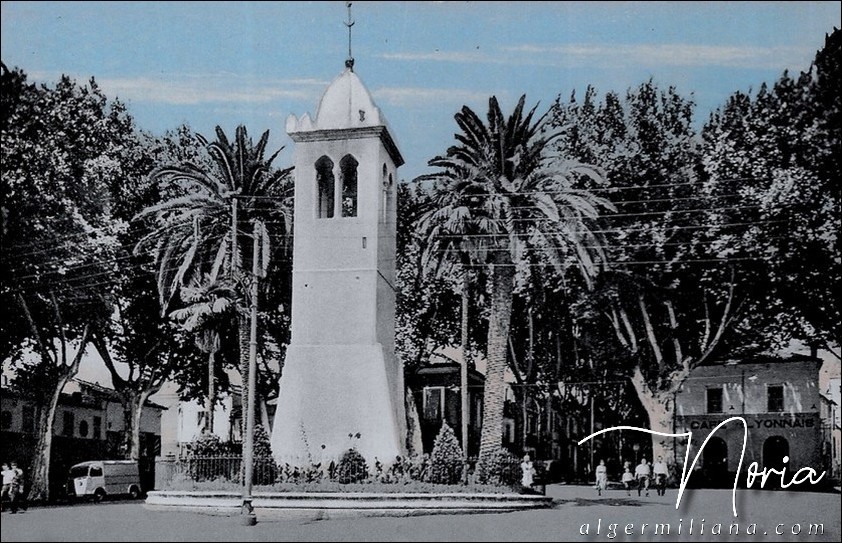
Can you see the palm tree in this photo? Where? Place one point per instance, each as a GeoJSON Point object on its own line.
{"type": "Point", "coordinates": [210, 306]}
{"type": "Point", "coordinates": [193, 228]}
{"type": "Point", "coordinates": [502, 202]}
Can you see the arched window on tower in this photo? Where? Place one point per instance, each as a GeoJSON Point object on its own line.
{"type": "Point", "coordinates": [325, 185]}
{"type": "Point", "coordinates": [348, 168]}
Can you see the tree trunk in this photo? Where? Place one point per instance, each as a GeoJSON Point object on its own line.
{"type": "Point", "coordinates": [211, 403]}
{"type": "Point", "coordinates": [659, 410]}
{"type": "Point", "coordinates": [137, 414]}
{"type": "Point", "coordinates": [502, 285]}
{"type": "Point", "coordinates": [659, 407]}
{"type": "Point", "coordinates": [264, 418]}
{"type": "Point", "coordinates": [39, 489]}
{"type": "Point", "coordinates": [414, 445]}
{"type": "Point", "coordinates": [129, 407]}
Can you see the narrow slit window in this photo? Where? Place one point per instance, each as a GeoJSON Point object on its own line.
{"type": "Point", "coordinates": [348, 166]}
{"type": "Point", "coordinates": [69, 423]}
{"type": "Point", "coordinates": [714, 400]}
{"type": "Point", "coordinates": [325, 185]}
{"type": "Point", "coordinates": [775, 399]}
{"type": "Point", "coordinates": [385, 193]}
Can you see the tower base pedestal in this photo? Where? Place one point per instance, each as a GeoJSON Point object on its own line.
{"type": "Point", "coordinates": [331, 392]}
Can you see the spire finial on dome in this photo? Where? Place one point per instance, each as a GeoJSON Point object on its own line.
{"type": "Point", "coordinates": [350, 62]}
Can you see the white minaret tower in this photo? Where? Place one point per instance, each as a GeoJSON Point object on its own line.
{"type": "Point", "coordinates": [340, 375]}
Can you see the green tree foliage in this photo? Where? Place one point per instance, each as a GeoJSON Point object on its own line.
{"type": "Point", "coordinates": [446, 460]}
{"type": "Point", "coordinates": [783, 143]}
{"type": "Point", "coordinates": [426, 307]}
{"type": "Point", "coordinates": [209, 307]}
{"type": "Point", "coordinates": [665, 296]}
{"type": "Point", "coordinates": [140, 347]}
{"type": "Point", "coordinates": [192, 230]}
{"type": "Point", "coordinates": [62, 149]}
{"type": "Point", "coordinates": [262, 446]}
{"type": "Point", "coordinates": [503, 469]}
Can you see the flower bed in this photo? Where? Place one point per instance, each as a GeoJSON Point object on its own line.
{"type": "Point", "coordinates": [410, 487]}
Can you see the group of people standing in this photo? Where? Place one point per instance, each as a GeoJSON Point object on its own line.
{"type": "Point", "coordinates": [13, 490]}
{"type": "Point", "coordinates": [643, 474]}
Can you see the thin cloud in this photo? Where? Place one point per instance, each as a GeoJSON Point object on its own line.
{"type": "Point", "coordinates": [446, 56]}
{"type": "Point", "coordinates": [618, 55]}
{"type": "Point", "coordinates": [194, 89]}
{"type": "Point", "coordinates": [414, 96]}
{"type": "Point", "coordinates": [667, 54]}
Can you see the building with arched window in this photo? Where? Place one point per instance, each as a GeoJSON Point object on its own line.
{"type": "Point", "coordinates": [779, 398]}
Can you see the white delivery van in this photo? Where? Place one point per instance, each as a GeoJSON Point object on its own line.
{"type": "Point", "coordinates": [101, 478]}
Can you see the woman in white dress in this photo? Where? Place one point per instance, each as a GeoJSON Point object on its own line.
{"type": "Point", "coordinates": [601, 477]}
{"type": "Point", "coordinates": [528, 471]}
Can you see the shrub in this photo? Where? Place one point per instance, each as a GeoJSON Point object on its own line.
{"type": "Point", "coordinates": [207, 445]}
{"type": "Point", "coordinates": [503, 469]}
{"type": "Point", "coordinates": [420, 467]}
{"type": "Point", "coordinates": [446, 460]}
{"type": "Point", "coordinates": [208, 458]}
{"type": "Point", "coordinates": [262, 447]}
{"type": "Point", "coordinates": [352, 467]}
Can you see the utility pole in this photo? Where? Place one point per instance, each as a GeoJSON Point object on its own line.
{"type": "Point", "coordinates": [463, 377]}
{"type": "Point", "coordinates": [529, 368]}
{"type": "Point", "coordinates": [232, 269]}
{"type": "Point", "coordinates": [248, 516]}
{"type": "Point", "coordinates": [591, 394]}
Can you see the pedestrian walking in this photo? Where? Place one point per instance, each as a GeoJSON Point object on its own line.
{"type": "Point", "coordinates": [8, 476]}
{"type": "Point", "coordinates": [601, 477]}
{"type": "Point", "coordinates": [642, 473]}
{"type": "Point", "coordinates": [661, 473]}
{"type": "Point", "coordinates": [16, 490]}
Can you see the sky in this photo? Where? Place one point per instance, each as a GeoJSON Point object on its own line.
{"type": "Point", "coordinates": [254, 63]}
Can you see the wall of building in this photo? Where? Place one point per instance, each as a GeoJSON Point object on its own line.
{"type": "Point", "coordinates": [745, 387]}
{"type": "Point", "coordinates": [745, 394]}
{"type": "Point", "coordinates": [79, 441]}
{"type": "Point", "coordinates": [191, 417]}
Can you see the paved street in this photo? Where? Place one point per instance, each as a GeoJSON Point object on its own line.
{"type": "Point", "coordinates": [131, 521]}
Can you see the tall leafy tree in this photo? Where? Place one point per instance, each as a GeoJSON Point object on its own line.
{"type": "Point", "coordinates": [209, 307]}
{"type": "Point", "coordinates": [139, 346]}
{"type": "Point", "coordinates": [192, 233]}
{"type": "Point", "coordinates": [61, 150]}
{"type": "Point", "coordinates": [784, 143]}
{"type": "Point", "coordinates": [496, 195]}
{"type": "Point", "coordinates": [666, 296]}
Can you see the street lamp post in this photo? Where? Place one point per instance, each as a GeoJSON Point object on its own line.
{"type": "Point", "coordinates": [248, 518]}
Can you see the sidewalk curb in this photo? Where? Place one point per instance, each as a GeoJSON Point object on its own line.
{"type": "Point", "coordinates": [230, 502]}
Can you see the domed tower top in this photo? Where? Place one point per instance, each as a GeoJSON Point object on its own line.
{"type": "Point", "coordinates": [346, 103]}
{"type": "Point", "coordinates": [346, 106]}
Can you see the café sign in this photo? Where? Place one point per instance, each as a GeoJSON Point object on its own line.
{"type": "Point", "coordinates": [798, 420]}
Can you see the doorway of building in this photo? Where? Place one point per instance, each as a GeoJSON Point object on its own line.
{"type": "Point", "coordinates": [774, 450]}
{"type": "Point", "coordinates": [715, 461]}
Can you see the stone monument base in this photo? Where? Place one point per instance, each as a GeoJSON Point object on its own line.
{"type": "Point", "coordinates": [331, 392]}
